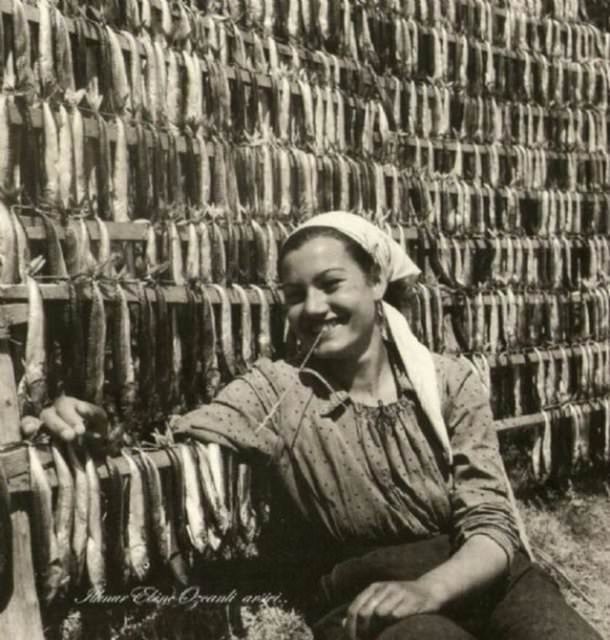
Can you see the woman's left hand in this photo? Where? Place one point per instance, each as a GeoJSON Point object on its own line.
{"type": "Point", "coordinates": [383, 603]}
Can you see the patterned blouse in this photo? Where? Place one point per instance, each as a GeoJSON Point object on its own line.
{"type": "Point", "coordinates": [369, 475]}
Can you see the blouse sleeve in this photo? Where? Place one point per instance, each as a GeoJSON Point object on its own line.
{"type": "Point", "coordinates": [479, 498]}
{"type": "Point", "coordinates": [239, 417]}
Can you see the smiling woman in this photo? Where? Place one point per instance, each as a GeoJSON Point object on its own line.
{"type": "Point", "coordinates": [387, 451]}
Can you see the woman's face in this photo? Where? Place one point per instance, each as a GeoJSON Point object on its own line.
{"type": "Point", "coordinates": [327, 292]}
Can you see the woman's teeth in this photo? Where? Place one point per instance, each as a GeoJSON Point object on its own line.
{"type": "Point", "coordinates": [327, 326]}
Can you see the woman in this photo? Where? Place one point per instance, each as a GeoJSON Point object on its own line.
{"type": "Point", "coordinates": [385, 449]}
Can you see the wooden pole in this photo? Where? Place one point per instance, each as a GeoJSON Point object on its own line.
{"type": "Point", "coordinates": [21, 617]}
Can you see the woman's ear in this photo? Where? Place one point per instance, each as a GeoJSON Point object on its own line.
{"type": "Point", "coordinates": [379, 289]}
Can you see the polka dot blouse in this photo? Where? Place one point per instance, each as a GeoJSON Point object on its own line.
{"type": "Point", "coordinates": [369, 474]}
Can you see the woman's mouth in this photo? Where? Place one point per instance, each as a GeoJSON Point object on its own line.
{"type": "Point", "coordinates": [322, 327]}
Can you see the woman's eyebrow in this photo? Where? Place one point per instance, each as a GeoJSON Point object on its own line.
{"type": "Point", "coordinates": [319, 275]}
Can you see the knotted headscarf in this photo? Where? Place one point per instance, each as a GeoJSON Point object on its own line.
{"type": "Point", "coordinates": [394, 265]}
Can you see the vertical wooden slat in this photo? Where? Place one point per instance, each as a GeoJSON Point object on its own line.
{"type": "Point", "coordinates": [21, 618]}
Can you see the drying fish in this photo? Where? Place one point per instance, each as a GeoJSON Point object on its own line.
{"type": "Point", "coordinates": [196, 525]}
{"type": "Point", "coordinates": [220, 478]}
{"type": "Point", "coordinates": [246, 516]}
{"type": "Point", "coordinates": [8, 247]}
{"type": "Point", "coordinates": [173, 491]}
{"type": "Point", "coordinates": [209, 352]}
{"type": "Point", "coordinates": [22, 248]}
{"type": "Point", "coordinates": [163, 351]}
{"type": "Point", "coordinates": [226, 331]}
{"type": "Point", "coordinates": [114, 532]}
{"type": "Point", "coordinates": [46, 64]}
{"type": "Point", "coordinates": [49, 563]}
{"type": "Point", "coordinates": [175, 254]}
{"type": "Point", "coordinates": [33, 387]}
{"type": "Point", "coordinates": [263, 338]}
{"type": "Point", "coordinates": [136, 549]}
{"type": "Point", "coordinates": [22, 48]}
{"type": "Point", "coordinates": [64, 513]}
{"type": "Point", "coordinates": [193, 257]}
{"type": "Point", "coordinates": [81, 515]}
{"type": "Point", "coordinates": [120, 176]}
{"type": "Point", "coordinates": [177, 361]}
{"type": "Point", "coordinates": [160, 524]}
{"type": "Point", "coordinates": [210, 500]}
{"type": "Point", "coordinates": [123, 367]}
{"type": "Point", "coordinates": [104, 258]}
{"type": "Point", "coordinates": [96, 345]}
{"type": "Point", "coordinates": [51, 155]}
{"type": "Point", "coordinates": [7, 157]}
{"type": "Point", "coordinates": [219, 256]}
{"type": "Point", "coordinates": [96, 567]}
{"type": "Point", "coordinates": [245, 330]}
{"type": "Point", "coordinates": [205, 253]}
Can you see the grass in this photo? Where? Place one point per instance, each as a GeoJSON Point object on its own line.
{"type": "Point", "coordinates": [571, 531]}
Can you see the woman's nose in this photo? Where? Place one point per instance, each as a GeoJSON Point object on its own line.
{"type": "Point", "coordinates": [315, 303]}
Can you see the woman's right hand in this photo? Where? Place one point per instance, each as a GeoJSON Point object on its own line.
{"type": "Point", "coordinates": [68, 418]}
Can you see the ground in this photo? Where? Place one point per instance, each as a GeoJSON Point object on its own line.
{"type": "Point", "coordinates": [570, 532]}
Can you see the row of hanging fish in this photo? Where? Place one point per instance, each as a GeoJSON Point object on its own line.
{"type": "Point", "coordinates": [498, 320]}
{"type": "Point", "coordinates": [137, 88]}
{"type": "Point", "coordinates": [111, 534]}
{"type": "Point", "coordinates": [557, 263]}
{"type": "Point", "coordinates": [560, 9]}
{"type": "Point", "coordinates": [545, 378]}
{"type": "Point", "coordinates": [484, 120]}
{"type": "Point", "coordinates": [455, 207]}
{"type": "Point", "coordinates": [506, 320]}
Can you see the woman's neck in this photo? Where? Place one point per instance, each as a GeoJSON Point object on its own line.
{"type": "Point", "coordinates": [368, 378]}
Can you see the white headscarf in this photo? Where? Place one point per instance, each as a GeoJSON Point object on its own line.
{"type": "Point", "coordinates": [394, 265]}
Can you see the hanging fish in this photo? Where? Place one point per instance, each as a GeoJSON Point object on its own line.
{"type": "Point", "coordinates": [81, 515]}
{"type": "Point", "coordinates": [173, 490]}
{"type": "Point", "coordinates": [216, 515]}
{"type": "Point", "coordinates": [95, 562]}
{"type": "Point", "coordinates": [120, 177]}
{"type": "Point", "coordinates": [7, 147]}
{"type": "Point", "coordinates": [160, 525]}
{"type": "Point", "coordinates": [49, 562]}
{"type": "Point", "coordinates": [227, 350]}
{"type": "Point", "coordinates": [245, 331]}
{"type": "Point", "coordinates": [46, 63]}
{"type": "Point", "coordinates": [136, 549]}
{"type": "Point", "coordinates": [263, 339]}
{"type": "Point", "coordinates": [247, 525]}
{"type": "Point", "coordinates": [196, 525]}
{"type": "Point", "coordinates": [96, 344]}
{"type": "Point", "coordinates": [34, 382]}
{"type": "Point", "coordinates": [176, 259]}
{"type": "Point", "coordinates": [209, 350]}
{"type": "Point", "coordinates": [63, 514]}
{"type": "Point", "coordinates": [51, 156]}
{"type": "Point", "coordinates": [123, 365]}
{"type": "Point", "coordinates": [22, 47]}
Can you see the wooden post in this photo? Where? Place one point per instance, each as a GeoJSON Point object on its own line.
{"type": "Point", "coordinates": [21, 618]}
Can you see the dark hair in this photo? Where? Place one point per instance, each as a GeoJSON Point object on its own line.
{"type": "Point", "coordinates": [359, 255]}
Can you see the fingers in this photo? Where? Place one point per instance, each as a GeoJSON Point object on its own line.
{"type": "Point", "coordinates": [380, 603]}
{"type": "Point", "coordinates": [65, 407]}
{"type": "Point", "coordinates": [362, 611]}
{"type": "Point", "coordinates": [57, 425]}
{"type": "Point", "coordinates": [69, 418]}
{"type": "Point", "coordinates": [30, 426]}
{"type": "Point", "coordinates": [94, 416]}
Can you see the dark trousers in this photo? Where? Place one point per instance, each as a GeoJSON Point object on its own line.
{"type": "Point", "coordinates": [526, 605]}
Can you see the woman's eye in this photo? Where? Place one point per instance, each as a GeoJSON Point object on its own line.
{"type": "Point", "coordinates": [331, 285]}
